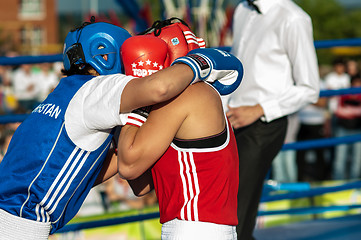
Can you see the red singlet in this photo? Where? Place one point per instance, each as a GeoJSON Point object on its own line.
{"type": "Point", "coordinates": [197, 180]}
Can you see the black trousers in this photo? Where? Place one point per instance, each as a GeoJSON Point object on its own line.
{"type": "Point", "coordinates": [258, 144]}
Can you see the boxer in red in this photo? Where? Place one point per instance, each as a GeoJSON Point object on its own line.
{"type": "Point", "coordinates": [185, 149]}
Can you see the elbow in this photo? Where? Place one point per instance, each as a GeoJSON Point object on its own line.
{"type": "Point", "coordinates": [128, 172]}
{"type": "Point", "coordinates": [162, 91]}
{"type": "Point", "coordinates": [127, 163]}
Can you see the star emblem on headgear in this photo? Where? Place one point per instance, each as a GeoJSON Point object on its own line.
{"type": "Point", "coordinates": [147, 62]}
{"type": "Point", "coordinates": [145, 68]}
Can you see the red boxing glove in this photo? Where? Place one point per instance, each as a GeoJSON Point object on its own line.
{"type": "Point", "coordinates": [179, 38]}
{"type": "Point", "coordinates": [143, 55]}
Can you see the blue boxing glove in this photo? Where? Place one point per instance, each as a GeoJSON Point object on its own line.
{"type": "Point", "coordinates": [221, 69]}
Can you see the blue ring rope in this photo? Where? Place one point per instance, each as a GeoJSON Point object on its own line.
{"type": "Point", "coordinates": [11, 118]}
{"type": "Point", "coordinates": [309, 210]}
{"type": "Point", "coordinates": [351, 42]}
{"type": "Point", "coordinates": [344, 91]}
{"type": "Point", "coordinates": [320, 143]}
{"type": "Point", "coordinates": [311, 193]}
{"type": "Point", "coordinates": [271, 185]}
{"type": "Point", "coordinates": [319, 44]}
{"type": "Point", "coordinates": [30, 59]}
{"type": "Point", "coordinates": [107, 222]}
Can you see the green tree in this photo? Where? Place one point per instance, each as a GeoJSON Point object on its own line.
{"type": "Point", "coordinates": [328, 18]}
{"type": "Point", "coordinates": [331, 21]}
{"type": "Point", "coordinates": [352, 27]}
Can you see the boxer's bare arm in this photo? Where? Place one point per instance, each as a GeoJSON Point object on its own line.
{"type": "Point", "coordinates": [188, 116]}
{"type": "Point", "coordinates": [158, 87]}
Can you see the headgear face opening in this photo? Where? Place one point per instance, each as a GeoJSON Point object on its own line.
{"type": "Point", "coordinates": [89, 43]}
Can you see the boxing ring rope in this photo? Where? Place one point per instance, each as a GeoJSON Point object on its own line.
{"type": "Point", "coordinates": [10, 118]}
{"type": "Point", "coordinates": [107, 222]}
{"type": "Point", "coordinates": [311, 192]}
{"type": "Point", "coordinates": [351, 42]}
{"type": "Point", "coordinates": [294, 190]}
{"type": "Point", "coordinates": [6, 61]}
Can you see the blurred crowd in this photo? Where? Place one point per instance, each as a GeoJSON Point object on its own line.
{"type": "Point", "coordinates": [23, 87]}
{"type": "Point", "coordinates": [335, 116]}
{"type": "Point", "coordinates": [115, 195]}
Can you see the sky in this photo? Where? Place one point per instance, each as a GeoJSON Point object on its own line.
{"type": "Point", "coordinates": [350, 3]}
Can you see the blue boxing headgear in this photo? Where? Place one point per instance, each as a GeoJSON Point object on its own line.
{"type": "Point", "coordinates": [90, 42]}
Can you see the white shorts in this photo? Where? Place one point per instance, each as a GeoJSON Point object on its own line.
{"type": "Point", "coordinates": [17, 228]}
{"type": "Point", "coordinates": [188, 230]}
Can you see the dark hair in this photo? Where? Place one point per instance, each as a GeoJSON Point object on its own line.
{"type": "Point", "coordinates": [159, 24]}
{"type": "Point", "coordinates": [339, 61]}
{"type": "Point", "coordinates": [84, 69]}
{"type": "Point", "coordinates": [356, 77]}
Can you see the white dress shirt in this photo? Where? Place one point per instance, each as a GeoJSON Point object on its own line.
{"type": "Point", "coordinates": [279, 58]}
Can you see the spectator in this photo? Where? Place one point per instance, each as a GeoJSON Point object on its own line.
{"type": "Point", "coordinates": [311, 163]}
{"type": "Point", "coordinates": [57, 66]}
{"type": "Point", "coordinates": [47, 80]}
{"type": "Point", "coordinates": [337, 79]}
{"type": "Point", "coordinates": [334, 80]}
{"type": "Point", "coordinates": [352, 68]}
{"type": "Point", "coordinates": [274, 41]}
{"type": "Point", "coordinates": [120, 195]}
{"type": "Point", "coordinates": [25, 87]}
{"type": "Point", "coordinates": [9, 103]}
{"type": "Point", "coordinates": [348, 116]}
{"type": "Point", "coordinates": [284, 168]}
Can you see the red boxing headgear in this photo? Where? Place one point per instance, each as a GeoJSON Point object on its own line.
{"type": "Point", "coordinates": [143, 55]}
{"type": "Point", "coordinates": [179, 38]}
